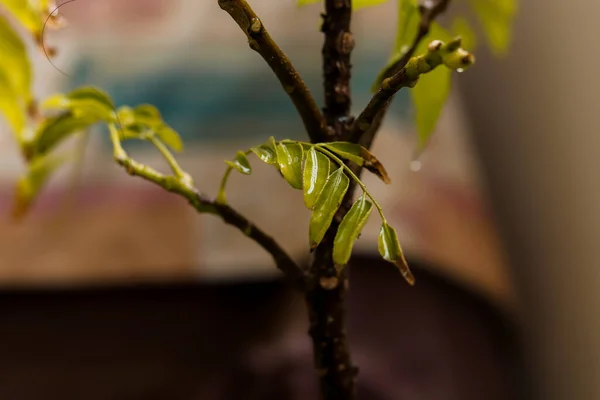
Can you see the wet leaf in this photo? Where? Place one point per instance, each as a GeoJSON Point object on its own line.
{"type": "Point", "coordinates": [390, 250]}
{"type": "Point", "coordinates": [327, 205]}
{"type": "Point", "coordinates": [316, 173]}
{"type": "Point", "coordinates": [241, 163]}
{"type": "Point", "coordinates": [350, 229]}
{"type": "Point", "coordinates": [29, 186]}
{"type": "Point", "coordinates": [360, 156]}
{"type": "Point", "coordinates": [289, 157]}
{"type": "Point", "coordinates": [266, 152]}
{"type": "Point", "coordinates": [496, 17]}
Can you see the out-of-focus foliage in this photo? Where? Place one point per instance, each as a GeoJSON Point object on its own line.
{"type": "Point", "coordinates": [356, 4]}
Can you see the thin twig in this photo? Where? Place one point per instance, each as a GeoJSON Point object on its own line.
{"type": "Point", "coordinates": [438, 53]}
{"type": "Point", "coordinates": [261, 42]}
{"type": "Point", "coordinates": [429, 10]}
{"type": "Point", "coordinates": [183, 185]}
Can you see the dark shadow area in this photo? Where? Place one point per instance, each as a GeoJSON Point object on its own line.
{"type": "Point", "coordinates": [202, 341]}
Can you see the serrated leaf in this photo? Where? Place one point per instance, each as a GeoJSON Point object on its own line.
{"type": "Point", "coordinates": [389, 248]}
{"type": "Point", "coordinates": [356, 4]}
{"type": "Point", "coordinates": [330, 200]}
{"type": "Point", "coordinates": [409, 18]}
{"type": "Point", "coordinates": [266, 152]}
{"type": "Point", "coordinates": [29, 186]}
{"type": "Point", "coordinates": [289, 158]}
{"type": "Point", "coordinates": [431, 91]}
{"type": "Point", "coordinates": [360, 156]}
{"type": "Point", "coordinates": [241, 163]}
{"type": "Point", "coordinates": [54, 130]}
{"type": "Point", "coordinates": [350, 229]}
{"type": "Point", "coordinates": [496, 17]}
{"type": "Point", "coordinates": [315, 175]}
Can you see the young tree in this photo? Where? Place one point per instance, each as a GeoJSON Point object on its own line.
{"type": "Point", "coordinates": [327, 168]}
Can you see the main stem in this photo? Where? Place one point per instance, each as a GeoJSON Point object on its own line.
{"type": "Point", "coordinates": [326, 292]}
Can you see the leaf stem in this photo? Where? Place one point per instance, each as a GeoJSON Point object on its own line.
{"type": "Point", "coordinates": [348, 170]}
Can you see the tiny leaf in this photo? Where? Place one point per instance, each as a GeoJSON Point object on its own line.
{"type": "Point", "coordinates": [241, 163]}
{"type": "Point", "coordinates": [327, 205]}
{"type": "Point", "coordinates": [349, 229]}
{"type": "Point", "coordinates": [360, 156]}
{"type": "Point", "coordinates": [266, 152]}
{"type": "Point", "coordinates": [316, 173]}
{"type": "Point", "coordinates": [289, 157]}
{"type": "Point", "coordinates": [390, 250]}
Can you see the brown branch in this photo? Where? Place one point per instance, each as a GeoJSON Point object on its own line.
{"type": "Point", "coordinates": [338, 45]}
{"type": "Point", "coordinates": [261, 42]}
{"type": "Point", "coordinates": [326, 287]}
{"type": "Point", "coordinates": [430, 10]}
{"type": "Point", "coordinates": [182, 184]}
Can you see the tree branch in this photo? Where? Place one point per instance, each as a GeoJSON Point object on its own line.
{"type": "Point", "coordinates": [438, 53]}
{"type": "Point", "coordinates": [326, 286]}
{"type": "Point", "coordinates": [261, 42]}
{"type": "Point", "coordinates": [429, 10]}
{"type": "Point", "coordinates": [182, 184]}
{"type": "Point", "coordinates": [338, 45]}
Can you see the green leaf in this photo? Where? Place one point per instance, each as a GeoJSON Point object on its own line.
{"type": "Point", "coordinates": [496, 17]}
{"type": "Point", "coordinates": [408, 23]}
{"type": "Point", "coordinates": [12, 109]}
{"type": "Point", "coordinates": [316, 173]}
{"type": "Point", "coordinates": [169, 137]}
{"type": "Point", "coordinates": [327, 205]}
{"type": "Point", "coordinates": [85, 102]}
{"type": "Point", "coordinates": [390, 250]}
{"type": "Point", "coordinates": [144, 121]}
{"type": "Point", "coordinates": [431, 91]}
{"type": "Point", "coordinates": [266, 152]}
{"type": "Point", "coordinates": [54, 130]}
{"type": "Point", "coordinates": [289, 157]}
{"type": "Point", "coordinates": [360, 156]}
{"type": "Point", "coordinates": [350, 229]}
{"type": "Point", "coordinates": [15, 79]}
{"type": "Point", "coordinates": [30, 185]}
{"type": "Point", "coordinates": [31, 14]}
{"type": "Point", "coordinates": [241, 163]}
{"type": "Point", "coordinates": [356, 4]}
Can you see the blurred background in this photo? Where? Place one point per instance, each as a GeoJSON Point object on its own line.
{"type": "Point", "coordinates": [114, 289]}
